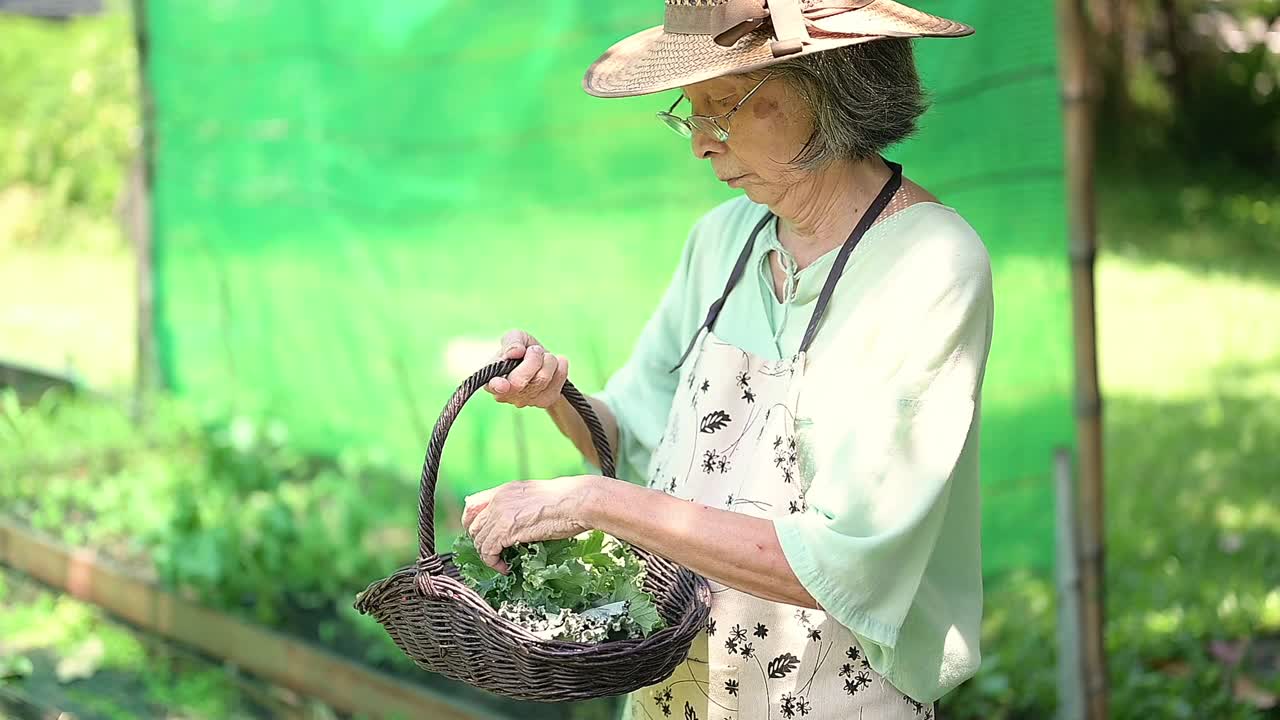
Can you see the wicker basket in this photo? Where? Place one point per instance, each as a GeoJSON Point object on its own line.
{"type": "Point", "coordinates": [447, 628]}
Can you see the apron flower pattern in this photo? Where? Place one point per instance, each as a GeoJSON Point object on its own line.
{"type": "Point", "coordinates": [733, 441]}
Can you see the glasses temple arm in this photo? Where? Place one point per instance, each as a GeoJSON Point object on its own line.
{"type": "Point", "coordinates": [747, 97]}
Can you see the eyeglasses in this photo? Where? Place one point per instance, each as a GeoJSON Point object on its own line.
{"type": "Point", "coordinates": [709, 124]}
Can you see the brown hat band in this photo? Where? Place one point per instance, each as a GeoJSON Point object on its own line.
{"type": "Point", "coordinates": [728, 22]}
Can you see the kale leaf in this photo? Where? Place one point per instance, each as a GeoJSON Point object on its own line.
{"type": "Point", "coordinates": [587, 588]}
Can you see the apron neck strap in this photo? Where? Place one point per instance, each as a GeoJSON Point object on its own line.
{"type": "Point", "coordinates": [738, 269]}
{"type": "Point", "coordinates": [873, 213]}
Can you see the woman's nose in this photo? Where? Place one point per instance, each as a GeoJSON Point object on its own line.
{"type": "Point", "coordinates": [704, 146]}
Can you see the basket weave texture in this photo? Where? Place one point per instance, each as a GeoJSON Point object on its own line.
{"type": "Point", "coordinates": [445, 627]}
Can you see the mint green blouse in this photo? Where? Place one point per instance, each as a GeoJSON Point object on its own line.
{"type": "Point", "coordinates": [887, 421]}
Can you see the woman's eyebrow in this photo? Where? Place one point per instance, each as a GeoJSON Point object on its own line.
{"type": "Point", "coordinates": [710, 99]}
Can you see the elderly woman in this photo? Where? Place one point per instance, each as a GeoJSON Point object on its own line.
{"type": "Point", "coordinates": [799, 417]}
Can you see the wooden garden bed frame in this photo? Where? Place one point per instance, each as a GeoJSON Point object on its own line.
{"type": "Point", "coordinates": [286, 661]}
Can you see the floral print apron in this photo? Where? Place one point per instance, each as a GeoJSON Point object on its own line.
{"type": "Point", "coordinates": [731, 442]}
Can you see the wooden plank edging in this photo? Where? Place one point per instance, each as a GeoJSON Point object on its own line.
{"type": "Point", "coordinates": [292, 663]}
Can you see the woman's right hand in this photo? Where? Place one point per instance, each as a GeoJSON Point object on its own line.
{"type": "Point", "coordinates": [536, 381]}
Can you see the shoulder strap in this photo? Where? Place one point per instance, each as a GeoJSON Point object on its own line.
{"type": "Point", "coordinates": [874, 211]}
{"type": "Point", "coordinates": [734, 277]}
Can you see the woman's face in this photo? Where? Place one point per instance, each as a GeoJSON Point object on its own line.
{"type": "Point", "coordinates": [764, 135]}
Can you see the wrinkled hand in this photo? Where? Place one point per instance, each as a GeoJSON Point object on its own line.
{"type": "Point", "coordinates": [526, 511]}
{"type": "Point", "coordinates": [536, 381]}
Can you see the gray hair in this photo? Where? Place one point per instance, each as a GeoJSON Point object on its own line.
{"type": "Point", "coordinates": [863, 99]}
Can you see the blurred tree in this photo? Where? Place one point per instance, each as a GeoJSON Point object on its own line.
{"type": "Point", "coordinates": [1198, 80]}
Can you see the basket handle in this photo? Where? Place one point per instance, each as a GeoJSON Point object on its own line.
{"type": "Point", "coordinates": [431, 468]}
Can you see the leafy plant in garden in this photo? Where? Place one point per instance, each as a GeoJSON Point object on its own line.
{"type": "Point", "coordinates": [582, 589]}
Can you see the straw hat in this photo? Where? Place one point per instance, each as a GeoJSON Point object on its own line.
{"type": "Point", "coordinates": [702, 39]}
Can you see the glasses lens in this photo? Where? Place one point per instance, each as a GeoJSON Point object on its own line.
{"type": "Point", "coordinates": [676, 124]}
{"type": "Point", "coordinates": [709, 126]}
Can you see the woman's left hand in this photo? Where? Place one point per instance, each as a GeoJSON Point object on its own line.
{"type": "Point", "coordinates": [526, 511]}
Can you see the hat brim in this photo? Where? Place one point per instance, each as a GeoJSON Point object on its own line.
{"type": "Point", "coordinates": [653, 60]}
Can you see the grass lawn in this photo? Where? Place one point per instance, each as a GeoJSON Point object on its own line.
{"type": "Point", "coordinates": [69, 311]}
{"type": "Point", "coordinates": [1188, 290]}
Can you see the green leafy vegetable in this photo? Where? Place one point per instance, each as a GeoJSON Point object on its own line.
{"type": "Point", "coordinates": [583, 589]}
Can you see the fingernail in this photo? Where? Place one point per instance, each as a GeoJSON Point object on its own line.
{"type": "Point", "coordinates": [510, 349]}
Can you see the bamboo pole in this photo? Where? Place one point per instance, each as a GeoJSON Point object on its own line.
{"type": "Point", "coordinates": [1071, 694]}
{"type": "Point", "coordinates": [138, 223]}
{"type": "Point", "coordinates": [1078, 97]}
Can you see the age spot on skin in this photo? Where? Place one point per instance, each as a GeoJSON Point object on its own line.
{"type": "Point", "coordinates": [763, 108]}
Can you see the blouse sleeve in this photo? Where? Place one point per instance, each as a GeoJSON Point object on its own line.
{"type": "Point", "coordinates": [890, 418]}
{"type": "Point", "coordinates": [640, 393]}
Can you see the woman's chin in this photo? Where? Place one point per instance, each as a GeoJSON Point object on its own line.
{"type": "Point", "coordinates": [755, 195]}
